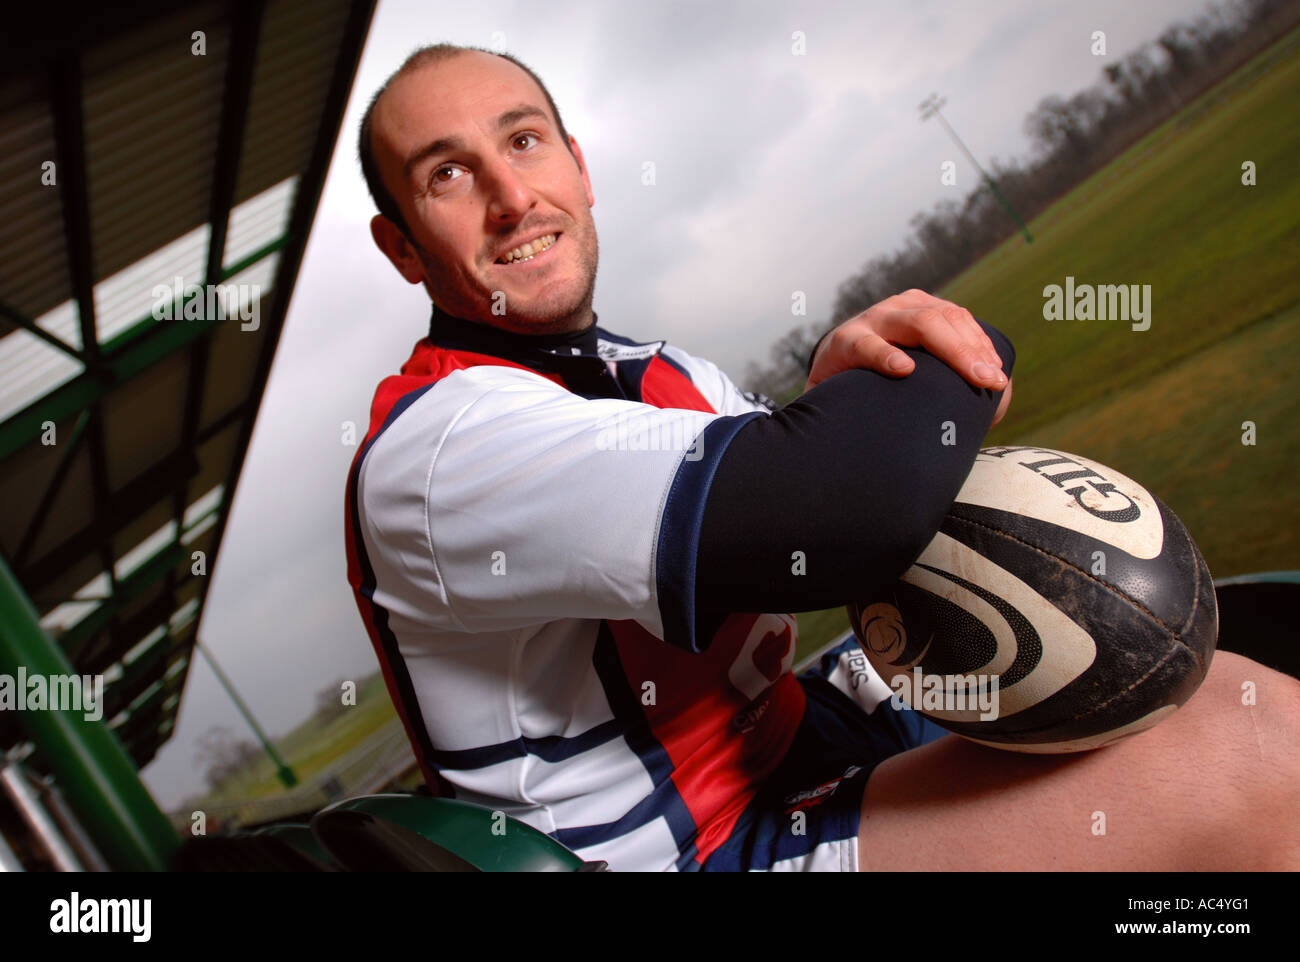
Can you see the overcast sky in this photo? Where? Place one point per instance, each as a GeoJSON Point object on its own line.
{"type": "Point", "coordinates": [774, 173]}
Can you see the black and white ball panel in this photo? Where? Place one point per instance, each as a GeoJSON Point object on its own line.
{"type": "Point", "coordinates": [1071, 583]}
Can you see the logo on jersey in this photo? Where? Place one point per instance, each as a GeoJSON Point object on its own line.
{"type": "Point", "coordinates": [766, 655]}
{"type": "Point", "coordinates": [609, 351]}
{"type": "Point", "coordinates": [815, 796]}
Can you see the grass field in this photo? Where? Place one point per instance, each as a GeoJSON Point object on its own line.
{"type": "Point", "coordinates": [1166, 406]}
{"type": "Point", "coordinates": [312, 746]}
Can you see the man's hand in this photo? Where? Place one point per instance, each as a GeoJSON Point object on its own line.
{"type": "Point", "coordinates": [911, 319]}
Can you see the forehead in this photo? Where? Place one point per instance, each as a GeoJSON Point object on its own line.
{"type": "Point", "coordinates": [469, 90]}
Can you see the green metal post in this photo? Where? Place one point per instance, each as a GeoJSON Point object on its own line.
{"type": "Point", "coordinates": [931, 108]}
{"type": "Point", "coordinates": [285, 773]}
{"type": "Point", "coordinates": [90, 765]}
{"type": "Point", "coordinates": [983, 173]}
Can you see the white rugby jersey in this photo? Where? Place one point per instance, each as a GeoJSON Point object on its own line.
{"type": "Point", "coordinates": [522, 524]}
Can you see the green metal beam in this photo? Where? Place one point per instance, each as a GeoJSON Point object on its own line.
{"type": "Point", "coordinates": [138, 496]}
{"type": "Point", "coordinates": [285, 773]}
{"type": "Point", "coordinates": [60, 475]}
{"type": "Point", "coordinates": [128, 589]}
{"type": "Point", "coordinates": [18, 319]}
{"type": "Point", "coordinates": [92, 768]}
{"type": "Point", "coordinates": [127, 354]}
{"type": "Point", "coordinates": [135, 678]}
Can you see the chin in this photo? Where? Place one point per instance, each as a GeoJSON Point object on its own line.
{"type": "Point", "coordinates": [546, 314]}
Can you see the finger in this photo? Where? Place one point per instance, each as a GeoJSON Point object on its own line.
{"type": "Point", "coordinates": [1004, 403]}
{"type": "Point", "coordinates": [968, 329]}
{"type": "Point", "coordinates": [990, 372]}
{"type": "Point", "coordinates": [930, 328]}
{"type": "Point", "coordinates": [873, 352]}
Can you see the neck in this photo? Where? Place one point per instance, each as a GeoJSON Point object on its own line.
{"type": "Point", "coordinates": [548, 336]}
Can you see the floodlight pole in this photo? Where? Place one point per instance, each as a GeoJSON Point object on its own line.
{"type": "Point", "coordinates": [96, 774]}
{"type": "Point", "coordinates": [283, 771]}
{"type": "Point", "coordinates": [930, 107]}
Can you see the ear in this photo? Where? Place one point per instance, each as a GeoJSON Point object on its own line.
{"type": "Point", "coordinates": [582, 166]}
{"type": "Point", "coordinates": [390, 239]}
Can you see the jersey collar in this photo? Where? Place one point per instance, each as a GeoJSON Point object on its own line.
{"type": "Point", "coordinates": [456, 333]}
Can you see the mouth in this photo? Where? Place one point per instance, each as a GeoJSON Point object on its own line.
{"type": "Point", "coordinates": [530, 251]}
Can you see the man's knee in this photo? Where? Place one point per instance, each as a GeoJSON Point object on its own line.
{"type": "Point", "coordinates": [1215, 785]}
{"type": "Point", "coordinates": [1255, 706]}
{"type": "Point", "coordinates": [1241, 730]}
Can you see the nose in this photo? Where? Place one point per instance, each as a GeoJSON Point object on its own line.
{"type": "Point", "coordinates": [509, 195]}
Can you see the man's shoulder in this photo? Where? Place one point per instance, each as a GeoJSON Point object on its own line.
{"type": "Point", "coordinates": [728, 398]}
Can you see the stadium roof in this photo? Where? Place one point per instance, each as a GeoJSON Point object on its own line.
{"type": "Point", "coordinates": [146, 148]}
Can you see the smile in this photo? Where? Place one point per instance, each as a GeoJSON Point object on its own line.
{"type": "Point", "coordinates": [526, 252]}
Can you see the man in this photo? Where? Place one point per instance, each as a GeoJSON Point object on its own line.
{"type": "Point", "coordinates": [558, 539]}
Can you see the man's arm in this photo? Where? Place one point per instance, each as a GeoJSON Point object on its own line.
{"type": "Point", "coordinates": [843, 487]}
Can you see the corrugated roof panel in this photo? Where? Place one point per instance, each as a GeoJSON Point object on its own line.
{"type": "Point", "coordinates": [183, 617]}
{"type": "Point", "coordinates": [232, 367]}
{"type": "Point", "coordinates": [143, 419]}
{"type": "Point", "coordinates": [203, 505]}
{"type": "Point", "coordinates": [30, 368]}
{"type": "Point", "coordinates": [201, 537]}
{"type": "Point", "coordinates": [255, 285]}
{"type": "Point", "coordinates": [195, 536]}
{"type": "Point", "coordinates": [95, 655]}
{"type": "Point", "coordinates": [153, 595]}
{"type": "Point", "coordinates": [152, 118]}
{"type": "Point", "coordinates": [188, 590]}
{"type": "Point", "coordinates": [141, 528]}
{"type": "Point", "coordinates": [130, 295]}
{"type": "Point", "coordinates": [143, 645]}
{"type": "Point", "coordinates": [23, 482]}
{"type": "Point", "coordinates": [132, 558]}
{"type": "Point", "coordinates": [67, 582]}
{"type": "Point", "coordinates": [67, 614]}
{"type": "Point", "coordinates": [259, 220]}
{"type": "Point", "coordinates": [296, 58]}
{"type": "Point", "coordinates": [72, 510]}
{"type": "Point", "coordinates": [33, 262]}
{"type": "Point", "coordinates": [215, 457]}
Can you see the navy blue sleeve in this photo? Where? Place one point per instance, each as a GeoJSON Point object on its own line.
{"type": "Point", "coordinates": [839, 490]}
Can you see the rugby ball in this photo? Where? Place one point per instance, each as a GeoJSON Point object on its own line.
{"type": "Point", "coordinates": [1061, 607]}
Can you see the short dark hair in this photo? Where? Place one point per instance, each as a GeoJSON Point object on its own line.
{"type": "Point", "coordinates": [434, 53]}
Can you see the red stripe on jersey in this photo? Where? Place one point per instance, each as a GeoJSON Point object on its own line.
{"type": "Point", "coordinates": [427, 364]}
{"type": "Point", "coordinates": [725, 717]}
{"type": "Point", "coordinates": [666, 387]}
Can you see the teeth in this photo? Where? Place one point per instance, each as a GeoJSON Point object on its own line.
{"type": "Point", "coordinates": [529, 250]}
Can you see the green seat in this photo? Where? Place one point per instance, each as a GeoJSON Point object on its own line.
{"type": "Point", "coordinates": [1257, 618]}
{"type": "Point", "coordinates": [415, 833]}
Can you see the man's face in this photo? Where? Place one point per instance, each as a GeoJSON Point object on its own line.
{"type": "Point", "coordinates": [472, 155]}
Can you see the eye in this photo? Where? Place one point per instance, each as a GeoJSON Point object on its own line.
{"type": "Point", "coordinates": [524, 138]}
{"type": "Point", "coordinates": [437, 176]}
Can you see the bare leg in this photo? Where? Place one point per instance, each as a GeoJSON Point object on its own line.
{"type": "Point", "coordinates": [1214, 786]}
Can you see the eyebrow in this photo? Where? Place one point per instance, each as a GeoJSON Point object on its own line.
{"type": "Point", "coordinates": [445, 144]}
